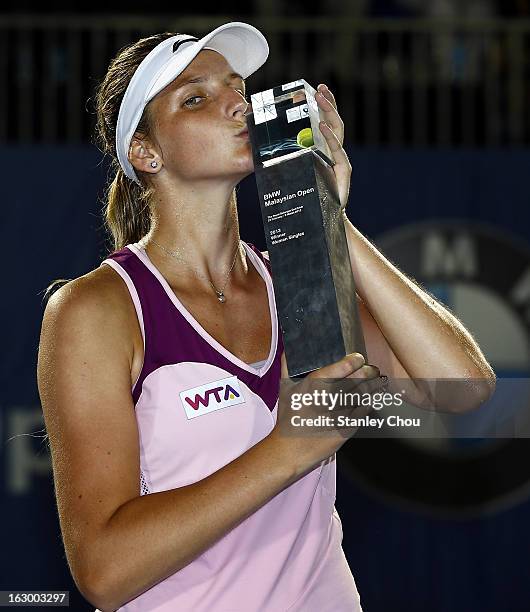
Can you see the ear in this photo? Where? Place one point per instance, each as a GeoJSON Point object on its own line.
{"type": "Point", "coordinates": [142, 154]}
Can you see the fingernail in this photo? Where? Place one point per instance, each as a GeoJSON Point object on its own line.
{"type": "Point", "coordinates": [355, 358]}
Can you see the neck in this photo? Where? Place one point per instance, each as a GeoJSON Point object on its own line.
{"type": "Point", "coordinates": [201, 227]}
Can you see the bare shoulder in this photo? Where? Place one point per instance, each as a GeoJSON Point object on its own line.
{"type": "Point", "coordinates": [97, 299]}
{"type": "Point", "coordinates": [101, 289]}
{"type": "Point", "coordinates": [84, 383]}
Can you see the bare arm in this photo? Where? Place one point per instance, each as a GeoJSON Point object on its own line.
{"type": "Point", "coordinates": [161, 533]}
{"type": "Point", "coordinates": [410, 322]}
{"type": "Point", "coordinates": [117, 543]}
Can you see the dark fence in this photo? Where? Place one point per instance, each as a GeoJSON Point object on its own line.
{"type": "Point", "coordinates": [410, 83]}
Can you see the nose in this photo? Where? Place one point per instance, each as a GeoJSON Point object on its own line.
{"type": "Point", "coordinates": [238, 105]}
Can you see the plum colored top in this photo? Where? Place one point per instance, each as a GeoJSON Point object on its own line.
{"type": "Point", "coordinates": [198, 407]}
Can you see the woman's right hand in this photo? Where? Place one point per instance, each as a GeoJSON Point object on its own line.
{"type": "Point", "coordinates": [306, 445]}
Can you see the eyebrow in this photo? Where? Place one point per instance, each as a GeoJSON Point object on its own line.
{"type": "Point", "coordinates": [202, 79]}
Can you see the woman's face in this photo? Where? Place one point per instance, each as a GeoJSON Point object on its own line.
{"type": "Point", "coordinates": [196, 124]}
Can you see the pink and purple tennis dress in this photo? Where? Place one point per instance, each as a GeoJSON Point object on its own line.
{"type": "Point", "coordinates": [198, 407]}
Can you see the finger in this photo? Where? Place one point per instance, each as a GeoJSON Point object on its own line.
{"type": "Point", "coordinates": [330, 115]}
{"type": "Point", "coordinates": [356, 385]}
{"type": "Point", "coordinates": [327, 105]}
{"type": "Point", "coordinates": [371, 385]}
{"type": "Point", "coordinates": [342, 387]}
{"type": "Point", "coordinates": [367, 371]}
{"type": "Point", "coordinates": [335, 146]}
{"type": "Point", "coordinates": [340, 369]}
{"type": "Point", "coordinates": [324, 89]}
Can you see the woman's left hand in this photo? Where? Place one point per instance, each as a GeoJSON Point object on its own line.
{"type": "Point", "coordinates": [333, 130]}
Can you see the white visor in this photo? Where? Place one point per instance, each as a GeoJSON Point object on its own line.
{"type": "Point", "coordinates": [243, 46]}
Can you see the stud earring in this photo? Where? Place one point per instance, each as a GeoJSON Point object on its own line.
{"type": "Point", "coordinates": [154, 164]}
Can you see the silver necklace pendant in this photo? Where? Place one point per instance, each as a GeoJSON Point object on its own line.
{"type": "Point", "coordinates": [220, 295]}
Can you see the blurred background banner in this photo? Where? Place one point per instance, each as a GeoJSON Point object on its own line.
{"type": "Point", "coordinates": [434, 97]}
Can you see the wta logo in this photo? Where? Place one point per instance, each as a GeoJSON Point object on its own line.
{"type": "Point", "coordinates": [212, 396]}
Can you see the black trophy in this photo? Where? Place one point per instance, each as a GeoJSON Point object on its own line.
{"type": "Point", "coordinates": [304, 229]}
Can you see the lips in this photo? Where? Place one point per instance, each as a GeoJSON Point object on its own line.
{"type": "Point", "coordinates": [243, 132]}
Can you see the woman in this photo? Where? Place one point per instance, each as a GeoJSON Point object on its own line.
{"type": "Point", "coordinates": [182, 493]}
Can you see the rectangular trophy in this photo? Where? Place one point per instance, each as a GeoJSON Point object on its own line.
{"type": "Point", "coordinates": [304, 229]}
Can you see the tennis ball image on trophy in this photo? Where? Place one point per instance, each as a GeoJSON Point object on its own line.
{"type": "Point", "coordinates": [304, 228]}
{"type": "Point", "coordinates": [304, 138]}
